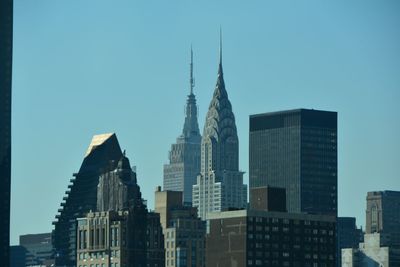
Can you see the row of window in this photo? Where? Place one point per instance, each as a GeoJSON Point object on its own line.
{"type": "Point", "coordinates": [101, 265]}
{"type": "Point", "coordinates": [98, 255]}
{"type": "Point", "coordinates": [287, 221]}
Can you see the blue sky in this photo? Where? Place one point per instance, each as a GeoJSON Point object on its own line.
{"type": "Point", "coordinates": [88, 67]}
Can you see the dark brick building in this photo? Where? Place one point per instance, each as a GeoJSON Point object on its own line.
{"type": "Point", "coordinates": [260, 238]}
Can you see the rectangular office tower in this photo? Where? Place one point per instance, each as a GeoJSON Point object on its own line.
{"type": "Point", "coordinates": [296, 150]}
{"type": "Point", "coordinates": [6, 29]}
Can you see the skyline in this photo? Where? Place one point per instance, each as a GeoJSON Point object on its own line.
{"type": "Point", "coordinates": [339, 64]}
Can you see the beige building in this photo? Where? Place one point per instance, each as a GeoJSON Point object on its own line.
{"type": "Point", "coordinates": [184, 232]}
{"type": "Point", "coordinates": [166, 201]}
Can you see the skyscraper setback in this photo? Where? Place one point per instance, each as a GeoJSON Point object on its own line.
{"type": "Point", "coordinates": [6, 41]}
{"type": "Point", "coordinates": [103, 217]}
{"type": "Point", "coordinates": [296, 150]}
{"type": "Point", "coordinates": [219, 185]}
{"type": "Point", "coordinates": [102, 156]}
{"type": "Point", "coordinates": [184, 157]}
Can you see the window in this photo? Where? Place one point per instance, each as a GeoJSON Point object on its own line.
{"type": "Point", "coordinates": [374, 218]}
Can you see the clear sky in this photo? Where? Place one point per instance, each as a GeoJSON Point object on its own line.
{"type": "Point", "coordinates": [94, 66]}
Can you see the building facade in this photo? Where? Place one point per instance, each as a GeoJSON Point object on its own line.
{"type": "Point", "coordinates": [219, 185]}
{"type": "Point", "coordinates": [6, 41]}
{"type": "Point", "coordinates": [296, 150]}
{"type": "Point", "coordinates": [375, 251]}
{"type": "Point", "coordinates": [268, 198]}
{"type": "Point", "coordinates": [39, 249]}
{"type": "Point", "coordinates": [33, 250]}
{"type": "Point", "coordinates": [184, 232]}
{"type": "Point", "coordinates": [261, 238]}
{"type": "Point", "coordinates": [155, 241]}
{"type": "Point", "coordinates": [184, 157]}
{"type": "Point", "coordinates": [383, 214]}
{"type": "Point", "coordinates": [17, 256]}
{"type": "Point", "coordinates": [118, 189]}
{"type": "Point", "coordinates": [112, 239]}
{"type": "Point", "coordinates": [119, 232]}
{"type": "Point", "coordinates": [348, 235]}
{"type": "Point", "coordinates": [101, 157]}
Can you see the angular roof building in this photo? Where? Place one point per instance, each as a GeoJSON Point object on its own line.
{"type": "Point", "coordinates": [184, 157]}
{"type": "Point", "coordinates": [220, 185]}
{"type": "Point", "coordinates": [102, 156]}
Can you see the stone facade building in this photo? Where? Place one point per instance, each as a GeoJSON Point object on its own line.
{"type": "Point", "coordinates": [118, 188]}
{"type": "Point", "coordinates": [383, 214]}
{"type": "Point", "coordinates": [112, 239]}
{"type": "Point", "coordinates": [184, 157]}
{"type": "Point", "coordinates": [219, 185]}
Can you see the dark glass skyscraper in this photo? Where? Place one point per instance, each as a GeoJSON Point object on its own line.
{"type": "Point", "coordinates": [296, 150]}
{"type": "Point", "coordinates": [6, 29]}
{"type": "Point", "coordinates": [184, 157]}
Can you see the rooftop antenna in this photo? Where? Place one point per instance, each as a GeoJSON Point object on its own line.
{"type": "Point", "coordinates": [191, 71]}
{"type": "Point", "coordinates": [220, 45]}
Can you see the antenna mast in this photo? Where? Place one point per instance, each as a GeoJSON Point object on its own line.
{"type": "Point", "coordinates": [191, 71]}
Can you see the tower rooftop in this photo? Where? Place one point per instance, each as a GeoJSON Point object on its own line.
{"type": "Point", "coordinates": [98, 140]}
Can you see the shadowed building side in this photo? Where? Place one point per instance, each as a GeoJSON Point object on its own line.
{"type": "Point", "coordinates": [6, 30]}
{"type": "Point", "coordinates": [118, 188]}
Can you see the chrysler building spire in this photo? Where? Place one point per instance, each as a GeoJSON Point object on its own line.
{"type": "Point", "coordinates": [219, 185]}
{"type": "Point", "coordinates": [220, 47]}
